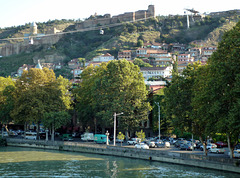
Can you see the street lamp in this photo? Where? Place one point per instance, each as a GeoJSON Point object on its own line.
{"type": "Point", "coordinates": [157, 103]}
{"type": "Point", "coordinates": [107, 134]}
{"type": "Point", "coordinates": [114, 134]}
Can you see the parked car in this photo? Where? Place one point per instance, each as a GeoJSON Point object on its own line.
{"type": "Point", "coordinates": [186, 146]}
{"type": "Point", "coordinates": [216, 150]}
{"type": "Point", "coordinates": [209, 145]}
{"type": "Point", "coordinates": [236, 153]}
{"type": "Point", "coordinates": [151, 144]}
{"type": "Point", "coordinates": [67, 137]}
{"type": "Point", "coordinates": [179, 142]}
{"type": "Point", "coordinates": [100, 138]}
{"type": "Point", "coordinates": [5, 134]}
{"type": "Point", "coordinates": [167, 144]}
{"type": "Point", "coordinates": [133, 141]}
{"type": "Point", "coordinates": [76, 135]}
{"type": "Point", "coordinates": [87, 137]}
{"type": "Point", "coordinates": [31, 135]}
{"type": "Point", "coordinates": [221, 144]}
{"type": "Point", "coordinates": [119, 140]}
{"type": "Point", "coordinates": [142, 146]}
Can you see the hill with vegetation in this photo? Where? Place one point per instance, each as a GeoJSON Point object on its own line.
{"type": "Point", "coordinates": [167, 29]}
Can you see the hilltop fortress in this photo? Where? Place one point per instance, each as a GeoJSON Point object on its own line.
{"type": "Point", "coordinates": [97, 20]}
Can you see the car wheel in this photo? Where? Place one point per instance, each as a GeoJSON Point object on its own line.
{"type": "Point", "coordinates": [217, 152]}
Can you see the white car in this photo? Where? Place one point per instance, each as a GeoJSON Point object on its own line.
{"type": "Point", "coordinates": [133, 141]}
{"type": "Point", "coordinates": [236, 153]}
{"type": "Point", "coordinates": [167, 144]}
{"type": "Point", "coordinates": [216, 150]}
{"type": "Point", "coordinates": [209, 145]}
{"type": "Point", "coordinates": [142, 146]}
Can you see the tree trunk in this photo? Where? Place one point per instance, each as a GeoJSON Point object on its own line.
{"type": "Point", "coordinates": [46, 135]}
{"type": "Point", "coordinates": [38, 130]}
{"type": "Point", "coordinates": [127, 135]}
{"type": "Point", "coordinates": [95, 125]}
{"type": "Point", "coordinates": [25, 129]}
{"type": "Point", "coordinates": [52, 136]}
{"type": "Point", "coordinates": [204, 146]}
{"type": "Point", "coordinates": [2, 131]}
{"type": "Point", "coordinates": [229, 146]}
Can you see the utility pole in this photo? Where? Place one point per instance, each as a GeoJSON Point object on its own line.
{"type": "Point", "coordinates": [159, 130]}
{"type": "Point", "coordinates": [115, 120]}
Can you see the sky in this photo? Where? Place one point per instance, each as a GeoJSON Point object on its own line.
{"type": "Point", "coordinates": [20, 12]}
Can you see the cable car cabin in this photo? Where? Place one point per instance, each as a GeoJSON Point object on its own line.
{"type": "Point", "coordinates": [30, 41]}
{"type": "Point", "coordinates": [101, 31]}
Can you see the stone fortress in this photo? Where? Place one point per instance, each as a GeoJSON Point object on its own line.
{"type": "Point", "coordinates": [98, 21]}
{"type": "Point", "coordinates": [16, 47]}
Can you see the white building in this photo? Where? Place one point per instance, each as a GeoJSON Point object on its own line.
{"type": "Point", "coordinates": [156, 72]}
{"type": "Point", "coordinates": [103, 58]}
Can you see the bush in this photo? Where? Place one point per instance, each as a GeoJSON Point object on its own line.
{"type": "Point", "coordinates": [3, 141]}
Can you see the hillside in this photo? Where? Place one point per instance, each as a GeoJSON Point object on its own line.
{"type": "Point", "coordinates": [88, 44]}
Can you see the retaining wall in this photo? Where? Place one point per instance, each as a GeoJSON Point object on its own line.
{"type": "Point", "coordinates": [217, 163]}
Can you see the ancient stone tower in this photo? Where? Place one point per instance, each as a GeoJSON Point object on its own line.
{"type": "Point", "coordinates": [151, 11]}
{"type": "Point", "coordinates": [33, 28]}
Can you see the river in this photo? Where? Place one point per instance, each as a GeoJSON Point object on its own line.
{"type": "Point", "coordinates": [28, 162]}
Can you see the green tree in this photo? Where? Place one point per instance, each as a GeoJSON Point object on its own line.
{"type": "Point", "coordinates": [7, 87]}
{"type": "Point", "coordinates": [140, 63]}
{"type": "Point", "coordinates": [140, 43]}
{"type": "Point", "coordinates": [224, 87]}
{"type": "Point", "coordinates": [121, 137]}
{"type": "Point", "coordinates": [141, 135]}
{"type": "Point", "coordinates": [54, 120]}
{"type": "Point", "coordinates": [39, 92]}
{"type": "Point", "coordinates": [114, 87]}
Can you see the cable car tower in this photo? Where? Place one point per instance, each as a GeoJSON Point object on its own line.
{"type": "Point", "coordinates": [193, 12]}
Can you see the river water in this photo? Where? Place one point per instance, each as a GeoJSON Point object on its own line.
{"type": "Point", "coordinates": [28, 162]}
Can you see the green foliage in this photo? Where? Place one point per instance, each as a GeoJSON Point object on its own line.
{"type": "Point", "coordinates": [140, 63]}
{"type": "Point", "coordinates": [121, 136]}
{"type": "Point", "coordinates": [39, 92]}
{"type": "Point", "coordinates": [141, 135]}
{"type": "Point", "coordinates": [117, 86]}
{"type": "Point", "coordinates": [7, 88]}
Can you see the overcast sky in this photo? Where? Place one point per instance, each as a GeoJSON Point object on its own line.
{"type": "Point", "coordinates": [19, 12]}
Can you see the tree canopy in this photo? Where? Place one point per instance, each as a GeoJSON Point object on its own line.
{"type": "Point", "coordinates": [114, 87]}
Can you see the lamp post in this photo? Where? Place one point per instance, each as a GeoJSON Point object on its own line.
{"type": "Point", "coordinates": [114, 134]}
{"type": "Point", "coordinates": [107, 134]}
{"type": "Point", "coordinates": [157, 103]}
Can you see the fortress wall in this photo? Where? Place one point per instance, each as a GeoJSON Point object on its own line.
{"type": "Point", "coordinates": [10, 49]}
{"type": "Point", "coordinates": [128, 16]}
{"type": "Point", "coordinates": [140, 15]}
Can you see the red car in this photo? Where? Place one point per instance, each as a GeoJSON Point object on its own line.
{"type": "Point", "coordinates": [221, 144]}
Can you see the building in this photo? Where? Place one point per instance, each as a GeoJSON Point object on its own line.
{"type": "Point", "coordinates": [126, 54]}
{"type": "Point", "coordinates": [155, 85]}
{"type": "Point", "coordinates": [207, 52]}
{"type": "Point", "coordinates": [73, 64]}
{"type": "Point", "coordinates": [185, 57]}
{"type": "Point", "coordinates": [161, 58]}
{"type": "Point", "coordinates": [195, 53]}
{"type": "Point", "coordinates": [103, 58]}
{"type": "Point", "coordinates": [156, 72]}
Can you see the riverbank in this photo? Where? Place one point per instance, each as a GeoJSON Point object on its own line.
{"type": "Point", "coordinates": [217, 163]}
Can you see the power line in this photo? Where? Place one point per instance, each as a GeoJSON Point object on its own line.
{"type": "Point", "coordinates": [81, 30]}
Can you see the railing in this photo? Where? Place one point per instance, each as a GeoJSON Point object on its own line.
{"type": "Point", "coordinates": [158, 153]}
{"type": "Point", "coordinates": [55, 143]}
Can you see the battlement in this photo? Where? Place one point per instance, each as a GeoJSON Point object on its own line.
{"type": "Point", "coordinates": [106, 19]}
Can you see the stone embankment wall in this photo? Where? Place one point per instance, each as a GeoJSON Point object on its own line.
{"type": "Point", "coordinates": [217, 163]}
